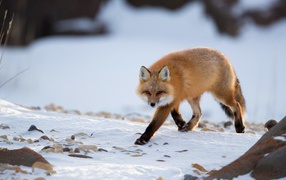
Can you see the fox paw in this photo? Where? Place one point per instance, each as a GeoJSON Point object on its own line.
{"type": "Point", "coordinates": [185, 128]}
{"type": "Point", "coordinates": [140, 141]}
{"type": "Point", "coordinates": [239, 128]}
{"type": "Point", "coordinates": [181, 126]}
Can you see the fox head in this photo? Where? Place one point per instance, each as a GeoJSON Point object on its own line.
{"type": "Point", "coordinates": [154, 86]}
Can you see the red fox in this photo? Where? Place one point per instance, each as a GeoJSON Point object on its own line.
{"type": "Point", "coordinates": [186, 75]}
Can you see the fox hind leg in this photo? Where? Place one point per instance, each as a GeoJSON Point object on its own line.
{"type": "Point", "coordinates": [230, 104]}
{"type": "Point", "coordinates": [239, 125]}
{"type": "Point", "coordinates": [197, 114]}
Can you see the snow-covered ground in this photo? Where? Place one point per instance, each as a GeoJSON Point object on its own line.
{"type": "Point", "coordinates": [170, 154]}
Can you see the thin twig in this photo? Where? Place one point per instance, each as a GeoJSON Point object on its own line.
{"type": "Point", "coordinates": [7, 37]}
{"type": "Point", "coordinates": [3, 24]}
{"type": "Point", "coordinates": [13, 77]}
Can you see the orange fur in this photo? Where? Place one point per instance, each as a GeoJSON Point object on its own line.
{"type": "Point", "coordinates": [186, 75]}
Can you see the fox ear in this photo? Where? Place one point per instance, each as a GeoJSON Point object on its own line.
{"type": "Point", "coordinates": [144, 74]}
{"type": "Point", "coordinates": [164, 74]}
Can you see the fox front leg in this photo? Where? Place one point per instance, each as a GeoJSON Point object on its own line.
{"type": "Point", "coordinates": [197, 114]}
{"type": "Point", "coordinates": [160, 116]}
{"type": "Point", "coordinates": [178, 119]}
{"type": "Point", "coordinates": [146, 136]}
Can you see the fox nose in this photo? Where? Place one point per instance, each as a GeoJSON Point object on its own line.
{"type": "Point", "coordinates": [152, 104]}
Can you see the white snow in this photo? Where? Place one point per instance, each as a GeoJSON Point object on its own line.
{"type": "Point", "coordinates": [77, 25]}
{"type": "Point", "coordinates": [245, 4]}
{"type": "Point", "coordinates": [281, 138]}
{"type": "Point", "coordinates": [170, 154]}
{"type": "Point", "coordinates": [100, 73]}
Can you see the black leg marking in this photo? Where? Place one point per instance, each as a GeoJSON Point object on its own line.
{"type": "Point", "coordinates": [146, 136]}
{"type": "Point", "coordinates": [178, 119]}
{"type": "Point", "coordinates": [239, 127]}
{"type": "Point", "coordinates": [160, 116]}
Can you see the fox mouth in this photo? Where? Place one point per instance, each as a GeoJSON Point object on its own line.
{"type": "Point", "coordinates": [164, 101]}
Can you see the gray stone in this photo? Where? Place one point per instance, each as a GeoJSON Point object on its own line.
{"type": "Point", "coordinates": [262, 156]}
{"type": "Point", "coordinates": [269, 124]}
{"type": "Point", "coordinates": [272, 166]}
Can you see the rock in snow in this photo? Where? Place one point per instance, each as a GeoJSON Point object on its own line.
{"type": "Point", "coordinates": [24, 156]}
{"type": "Point", "coordinates": [269, 124]}
{"type": "Point", "coordinates": [266, 158]}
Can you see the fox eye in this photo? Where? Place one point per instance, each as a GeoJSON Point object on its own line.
{"type": "Point", "coordinates": [159, 93]}
{"type": "Point", "coordinates": [147, 92]}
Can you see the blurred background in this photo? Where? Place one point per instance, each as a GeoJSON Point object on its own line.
{"type": "Point", "coordinates": [86, 54]}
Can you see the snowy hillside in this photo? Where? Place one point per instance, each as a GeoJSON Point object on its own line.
{"type": "Point", "coordinates": [170, 154]}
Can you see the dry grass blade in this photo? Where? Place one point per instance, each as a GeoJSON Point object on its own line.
{"type": "Point", "coordinates": [10, 79]}
{"type": "Point", "coordinates": [7, 36]}
{"type": "Point", "coordinates": [3, 24]}
{"type": "Point", "coordinates": [2, 34]}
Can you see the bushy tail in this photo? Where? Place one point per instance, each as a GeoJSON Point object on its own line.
{"type": "Point", "coordinates": [239, 98]}
{"type": "Point", "coordinates": [227, 110]}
